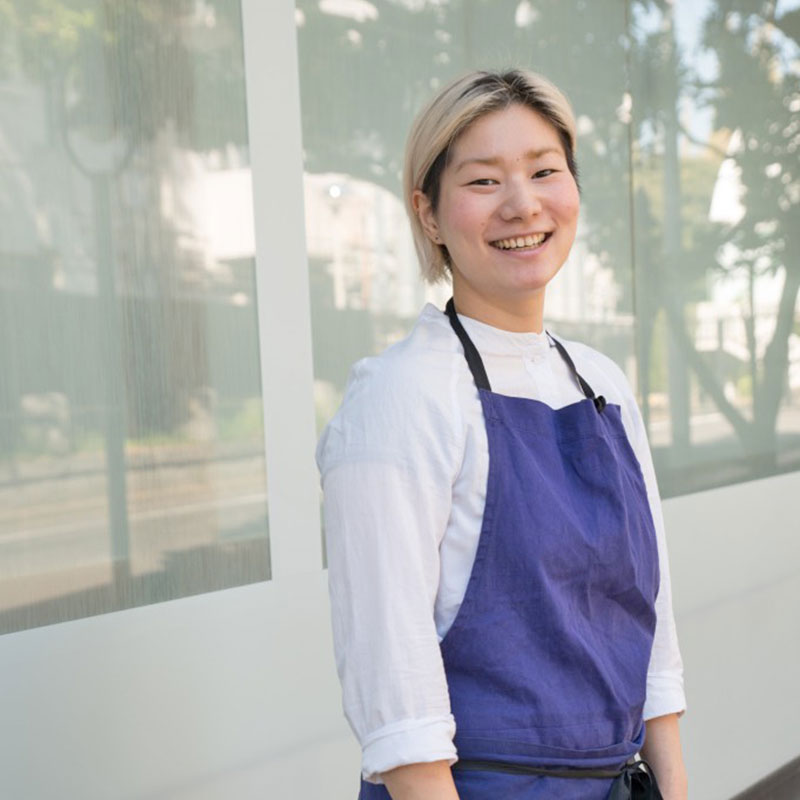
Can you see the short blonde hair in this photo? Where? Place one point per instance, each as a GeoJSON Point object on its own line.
{"type": "Point", "coordinates": [448, 115]}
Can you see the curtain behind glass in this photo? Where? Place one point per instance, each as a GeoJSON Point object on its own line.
{"type": "Point", "coordinates": [131, 434]}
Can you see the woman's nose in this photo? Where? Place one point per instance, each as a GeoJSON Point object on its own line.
{"type": "Point", "coordinates": [521, 202]}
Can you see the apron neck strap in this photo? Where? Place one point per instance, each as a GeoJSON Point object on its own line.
{"type": "Point", "coordinates": [475, 363]}
{"type": "Point", "coordinates": [598, 400]}
{"type": "Point", "coordinates": [471, 353]}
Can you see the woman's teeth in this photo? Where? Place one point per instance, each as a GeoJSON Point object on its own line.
{"type": "Point", "coordinates": [520, 241]}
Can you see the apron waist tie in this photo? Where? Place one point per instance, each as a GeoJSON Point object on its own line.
{"type": "Point", "coordinates": [635, 781]}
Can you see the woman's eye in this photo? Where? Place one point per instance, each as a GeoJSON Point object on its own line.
{"type": "Point", "coordinates": [483, 182]}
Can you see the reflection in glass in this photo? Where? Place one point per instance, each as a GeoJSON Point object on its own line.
{"type": "Point", "coordinates": [686, 268]}
{"type": "Point", "coordinates": [363, 77]}
{"type": "Point", "coordinates": [131, 434]}
{"type": "Point", "coordinates": [716, 90]}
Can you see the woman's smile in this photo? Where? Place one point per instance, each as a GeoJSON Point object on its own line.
{"type": "Point", "coordinates": [524, 241]}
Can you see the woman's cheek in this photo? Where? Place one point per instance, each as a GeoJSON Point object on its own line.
{"type": "Point", "coordinates": [467, 208]}
{"type": "Point", "coordinates": [572, 199]}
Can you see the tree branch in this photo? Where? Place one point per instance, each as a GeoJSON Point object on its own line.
{"type": "Point", "coordinates": [738, 421]}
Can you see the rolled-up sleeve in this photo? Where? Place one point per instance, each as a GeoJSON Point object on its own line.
{"type": "Point", "coordinates": [387, 462]}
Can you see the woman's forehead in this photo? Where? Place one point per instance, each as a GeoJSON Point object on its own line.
{"type": "Point", "coordinates": [513, 132]}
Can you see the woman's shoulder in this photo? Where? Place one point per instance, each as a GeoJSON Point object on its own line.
{"type": "Point", "coordinates": [406, 393]}
{"type": "Point", "coordinates": [414, 366]}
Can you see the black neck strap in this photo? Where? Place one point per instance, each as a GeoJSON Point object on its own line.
{"type": "Point", "coordinates": [475, 363]}
{"type": "Point", "coordinates": [471, 353]}
{"type": "Point", "coordinates": [598, 400]}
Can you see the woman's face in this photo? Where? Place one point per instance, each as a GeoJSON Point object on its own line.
{"type": "Point", "coordinates": [507, 212]}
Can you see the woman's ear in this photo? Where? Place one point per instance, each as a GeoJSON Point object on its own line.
{"type": "Point", "coordinates": [427, 218]}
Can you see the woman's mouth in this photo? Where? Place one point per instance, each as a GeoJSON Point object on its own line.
{"type": "Point", "coordinates": [527, 242]}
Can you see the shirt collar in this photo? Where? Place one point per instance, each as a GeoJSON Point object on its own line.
{"type": "Point", "coordinates": [496, 341]}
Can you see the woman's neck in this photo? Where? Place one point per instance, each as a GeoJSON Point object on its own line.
{"type": "Point", "coordinates": [524, 314]}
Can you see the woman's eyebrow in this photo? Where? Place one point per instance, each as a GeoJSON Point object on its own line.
{"type": "Point", "coordinates": [493, 161]}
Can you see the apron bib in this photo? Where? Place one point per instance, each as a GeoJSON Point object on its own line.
{"type": "Point", "coordinates": [547, 658]}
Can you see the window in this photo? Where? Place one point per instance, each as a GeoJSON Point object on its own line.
{"type": "Point", "coordinates": [132, 462]}
{"type": "Point", "coordinates": [687, 262]}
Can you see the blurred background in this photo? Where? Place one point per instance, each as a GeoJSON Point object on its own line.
{"type": "Point", "coordinates": [137, 269]}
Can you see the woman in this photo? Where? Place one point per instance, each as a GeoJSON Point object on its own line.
{"type": "Point", "coordinates": [498, 574]}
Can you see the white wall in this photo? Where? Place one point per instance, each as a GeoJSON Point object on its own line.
{"type": "Point", "coordinates": [736, 582]}
{"type": "Point", "coordinates": [234, 693]}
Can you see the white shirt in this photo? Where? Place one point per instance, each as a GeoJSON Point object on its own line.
{"type": "Point", "coordinates": [404, 465]}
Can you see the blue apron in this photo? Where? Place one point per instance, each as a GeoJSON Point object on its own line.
{"type": "Point", "coordinates": [546, 661]}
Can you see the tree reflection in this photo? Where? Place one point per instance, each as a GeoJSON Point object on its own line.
{"type": "Point", "coordinates": [758, 94]}
{"type": "Point", "coordinates": [712, 358]}
{"type": "Point", "coordinates": [132, 400]}
{"type": "Point", "coordinates": [747, 236]}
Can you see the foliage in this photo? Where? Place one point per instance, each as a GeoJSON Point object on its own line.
{"type": "Point", "coordinates": [363, 79]}
{"type": "Point", "coordinates": [133, 66]}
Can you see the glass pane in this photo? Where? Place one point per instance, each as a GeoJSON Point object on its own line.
{"type": "Point", "coordinates": [716, 99]}
{"type": "Point", "coordinates": [131, 436]}
{"type": "Point", "coordinates": [365, 69]}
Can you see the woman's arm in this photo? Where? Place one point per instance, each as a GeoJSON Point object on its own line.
{"type": "Point", "coordinates": [665, 698]}
{"type": "Point", "coordinates": [662, 750]}
{"type": "Point", "coordinates": [388, 462]}
{"type": "Point", "coordinates": [431, 781]}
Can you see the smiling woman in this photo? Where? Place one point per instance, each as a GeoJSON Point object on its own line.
{"type": "Point", "coordinates": [499, 583]}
